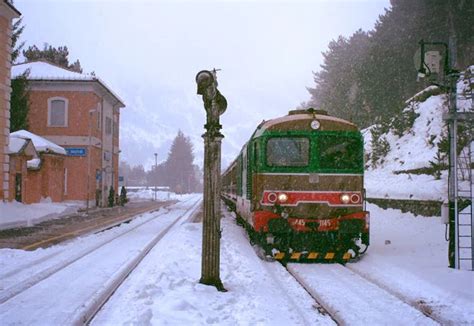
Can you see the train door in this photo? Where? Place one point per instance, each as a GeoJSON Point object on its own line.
{"type": "Point", "coordinates": [244, 173]}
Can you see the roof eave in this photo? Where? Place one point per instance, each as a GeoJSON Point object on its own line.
{"type": "Point", "coordinates": [16, 12]}
{"type": "Point", "coordinates": [98, 80]}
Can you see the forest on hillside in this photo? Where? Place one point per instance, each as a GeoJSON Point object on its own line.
{"type": "Point", "coordinates": [367, 77]}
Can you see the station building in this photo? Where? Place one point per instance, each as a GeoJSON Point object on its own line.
{"type": "Point", "coordinates": [36, 168]}
{"type": "Point", "coordinates": [80, 113]}
{"type": "Point", "coordinates": [7, 14]}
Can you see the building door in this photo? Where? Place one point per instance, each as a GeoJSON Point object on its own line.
{"type": "Point", "coordinates": [18, 187]}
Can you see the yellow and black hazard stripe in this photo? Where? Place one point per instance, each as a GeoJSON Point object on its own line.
{"type": "Point", "coordinates": [313, 256]}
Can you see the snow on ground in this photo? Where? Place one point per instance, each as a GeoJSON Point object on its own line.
{"type": "Point", "coordinates": [410, 254]}
{"type": "Point", "coordinates": [146, 193]}
{"type": "Point", "coordinates": [166, 290]}
{"type": "Point", "coordinates": [384, 184]}
{"type": "Point", "coordinates": [15, 214]}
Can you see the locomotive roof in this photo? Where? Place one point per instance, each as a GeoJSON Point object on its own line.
{"type": "Point", "coordinates": [327, 123]}
{"type": "Point", "coordinates": [298, 119]}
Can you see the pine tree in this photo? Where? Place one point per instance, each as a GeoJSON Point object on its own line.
{"type": "Point", "coordinates": [111, 198]}
{"type": "Point", "coordinates": [179, 165]}
{"type": "Point", "coordinates": [123, 196]}
{"type": "Point", "coordinates": [17, 30]}
{"type": "Point", "coordinates": [370, 75]}
{"type": "Point", "coordinates": [58, 56]}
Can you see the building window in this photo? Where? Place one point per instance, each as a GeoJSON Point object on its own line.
{"type": "Point", "coordinates": [57, 112]}
{"type": "Point", "coordinates": [108, 126]}
{"type": "Point", "coordinates": [116, 130]}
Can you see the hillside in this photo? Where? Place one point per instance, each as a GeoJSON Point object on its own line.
{"type": "Point", "coordinates": [406, 158]}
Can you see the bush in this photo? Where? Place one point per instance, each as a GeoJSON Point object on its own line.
{"type": "Point", "coordinates": [111, 197]}
{"type": "Point", "coordinates": [123, 196]}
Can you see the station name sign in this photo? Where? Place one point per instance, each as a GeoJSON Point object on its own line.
{"type": "Point", "coordinates": [76, 151]}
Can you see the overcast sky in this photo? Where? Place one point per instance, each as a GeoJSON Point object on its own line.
{"type": "Point", "coordinates": [149, 52]}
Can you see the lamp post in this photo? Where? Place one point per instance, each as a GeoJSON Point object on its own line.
{"type": "Point", "coordinates": [215, 104]}
{"type": "Point", "coordinates": [156, 169]}
{"type": "Point", "coordinates": [429, 63]}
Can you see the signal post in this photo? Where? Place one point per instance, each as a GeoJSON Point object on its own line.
{"type": "Point", "coordinates": [215, 104]}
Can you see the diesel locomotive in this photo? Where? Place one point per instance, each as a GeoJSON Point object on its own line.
{"type": "Point", "coordinates": [298, 188]}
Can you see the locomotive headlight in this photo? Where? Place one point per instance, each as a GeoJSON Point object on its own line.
{"type": "Point", "coordinates": [315, 124]}
{"type": "Point", "coordinates": [282, 197]}
{"type": "Point", "coordinates": [345, 198]}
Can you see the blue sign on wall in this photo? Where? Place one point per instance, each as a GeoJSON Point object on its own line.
{"type": "Point", "coordinates": [76, 151]}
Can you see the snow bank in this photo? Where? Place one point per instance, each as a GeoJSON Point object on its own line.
{"type": "Point", "coordinates": [141, 193]}
{"type": "Point", "coordinates": [15, 214]}
{"type": "Point", "coordinates": [393, 177]}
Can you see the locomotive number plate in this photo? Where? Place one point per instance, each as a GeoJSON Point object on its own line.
{"type": "Point", "coordinates": [298, 222]}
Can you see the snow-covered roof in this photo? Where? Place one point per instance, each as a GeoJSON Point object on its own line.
{"type": "Point", "coordinates": [41, 144]}
{"type": "Point", "coordinates": [33, 163]}
{"type": "Point", "coordinates": [42, 70]}
{"type": "Point", "coordinates": [46, 70]}
{"type": "Point", "coordinates": [16, 144]}
{"type": "Point", "coordinates": [20, 145]}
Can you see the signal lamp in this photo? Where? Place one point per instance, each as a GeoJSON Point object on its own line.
{"type": "Point", "coordinates": [355, 198]}
{"type": "Point", "coordinates": [272, 197]}
{"type": "Point", "coordinates": [315, 124]}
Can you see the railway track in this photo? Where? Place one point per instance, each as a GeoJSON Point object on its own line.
{"type": "Point", "coordinates": [352, 299]}
{"type": "Point", "coordinates": [93, 272]}
{"type": "Point", "coordinates": [51, 232]}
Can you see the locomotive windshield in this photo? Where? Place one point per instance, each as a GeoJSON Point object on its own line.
{"type": "Point", "coordinates": [340, 152]}
{"type": "Point", "coordinates": [286, 151]}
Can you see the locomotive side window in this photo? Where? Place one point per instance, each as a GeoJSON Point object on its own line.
{"type": "Point", "coordinates": [337, 152]}
{"type": "Point", "coordinates": [286, 151]}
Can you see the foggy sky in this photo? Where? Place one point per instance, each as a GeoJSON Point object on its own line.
{"type": "Point", "coordinates": [149, 52]}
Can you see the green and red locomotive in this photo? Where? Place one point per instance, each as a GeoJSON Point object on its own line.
{"type": "Point", "coordinates": [298, 187]}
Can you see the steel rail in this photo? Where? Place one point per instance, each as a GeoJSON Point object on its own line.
{"type": "Point", "coordinates": [335, 313]}
{"type": "Point", "coordinates": [89, 310]}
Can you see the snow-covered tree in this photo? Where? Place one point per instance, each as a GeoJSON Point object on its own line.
{"type": "Point", "coordinates": [179, 165]}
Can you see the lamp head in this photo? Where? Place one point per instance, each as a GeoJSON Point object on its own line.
{"type": "Point", "coordinates": [204, 80]}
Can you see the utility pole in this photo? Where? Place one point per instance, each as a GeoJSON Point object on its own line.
{"type": "Point", "coordinates": [429, 65]}
{"type": "Point", "coordinates": [215, 104]}
{"type": "Point", "coordinates": [155, 178]}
